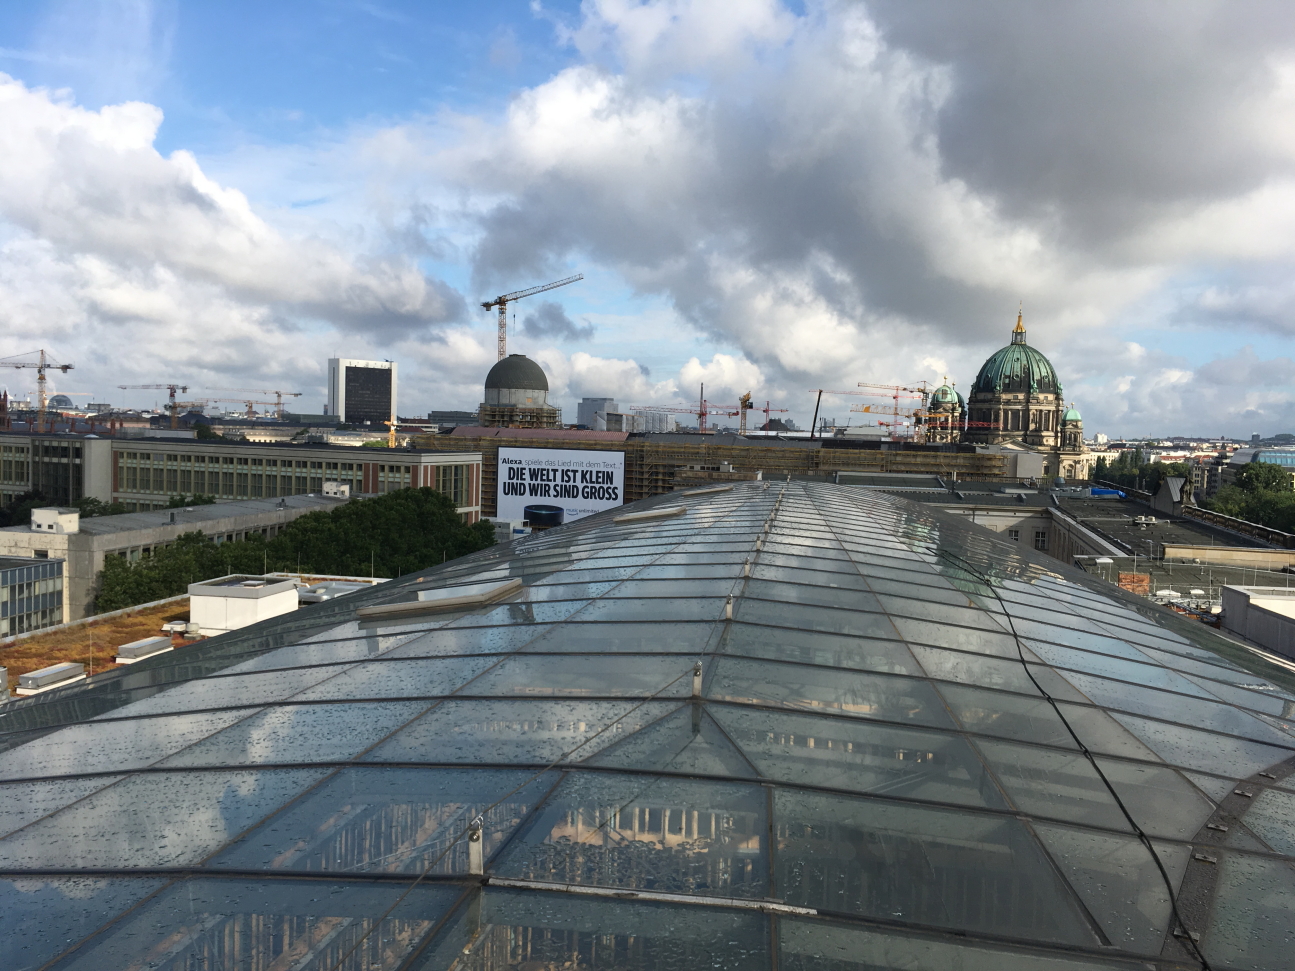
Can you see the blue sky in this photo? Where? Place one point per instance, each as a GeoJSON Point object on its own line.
{"type": "Point", "coordinates": [764, 197]}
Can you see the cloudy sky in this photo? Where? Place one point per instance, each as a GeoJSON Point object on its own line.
{"type": "Point", "coordinates": [762, 196]}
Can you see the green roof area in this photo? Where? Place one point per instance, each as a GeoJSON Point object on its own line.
{"type": "Point", "coordinates": [798, 725]}
{"type": "Point", "coordinates": [1017, 368]}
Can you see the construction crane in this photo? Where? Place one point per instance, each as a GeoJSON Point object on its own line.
{"type": "Point", "coordinates": [278, 396]}
{"type": "Point", "coordinates": [170, 390]}
{"type": "Point", "coordinates": [767, 411]}
{"type": "Point", "coordinates": [813, 425]}
{"type": "Point", "coordinates": [41, 366]}
{"type": "Point", "coordinates": [703, 410]}
{"type": "Point", "coordinates": [503, 302]}
{"type": "Point", "coordinates": [251, 412]}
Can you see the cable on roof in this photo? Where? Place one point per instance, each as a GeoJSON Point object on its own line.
{"type": "Point", "coordinates": [1141, 834]}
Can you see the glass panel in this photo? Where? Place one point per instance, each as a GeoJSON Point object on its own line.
{"type": "Point", "coordinates": [865, 695]}
{"type": "Point", "coordinates": [989, 672]}
{"type": "Point", "coordinates": [784, 574]}
{"type": "Point", "coordinates": [844, 596]}
{"type": "Point", "coordinates": [536, 732]}
{"type": "Point", "coordinates": [159, 819]}
{"type": "Point", "coordinates": [1119, 882]}
{"type": "Point", "coordinates": [1144, 675]}
{"type": "Point", "coordinates": [1065, 786]}
{"type": "Point", "coordinates": [816, 945]}
{"type": "Point", "coordinates": [522, 931]}
{"type": "Point", "coordinates": [1254, 913]}
{"type": "Point", "coordinates": [638, 587]}
{"type": "Point", "coordinates": [652, 608]}
{"type": "Point", "coordinates": [608, 675]}
{"type": "Point", "coordinates": [480, 640]}
{"type": "Point", "coordinates": [238, 689]}
{"type": "Point", "coordinates": [521, 612]}
{"type": "Point", "coordinates": [400, 678]}
{"type": "Point", "coordinates": [22, 803]}
{"type": "Point", "coordinates": [390, 820]}
{"type": "Point", "coordinates": [1272, 817]}
{"type": "Point", "coordinates": [1233, 757]}
{"type": "Point", "coordinates": [806, 647]}
{"type": "Point", "coordinates": [920, 865]}
{"type": "Point", "coordinates": [1006, 715]}
{"type": "Point", "coordinates": [356, 648]}
{"type": "Point", "coordinates": [106, 746]}
{"type": "Point", "coordinates": [687, 741]}
{"type": "Point", "coordinates": [844, 753]}
{"type": "Point", "coordinates": [300, 733]}
{"type": "Point", "coordinates": [41, 918]}
{"type": "Point", "coordinates": [804, 617]}
{"type": "Point", "coordinates": [683, 638]}
{"type": "Point", "coordinates": [646, 833]}
{"type": "Point", "coordinates": [235, 925]}
{"type": "Point", "coordinates": [1000, 644]}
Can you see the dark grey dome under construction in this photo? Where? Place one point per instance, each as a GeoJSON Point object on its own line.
{"type": "Point", "coordinates": [769, 725]}
{"type": "Point", "coordinates": [517, 371]}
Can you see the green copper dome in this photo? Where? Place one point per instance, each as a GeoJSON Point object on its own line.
{"type": "Point", "coordinates": [1071, 415]}
{"type": "Point", "coordinates": [1017, 368]}
{"type": "Point", "coordinates": [944, 395]}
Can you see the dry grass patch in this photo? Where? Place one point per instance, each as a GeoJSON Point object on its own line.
{"type": "Point", "coordinates": [95, 637]}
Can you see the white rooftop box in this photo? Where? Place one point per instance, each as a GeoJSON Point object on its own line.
{"type": "Point", "coordinates": [228, 603]}
{"type": "Point", "coordinates": [138, 650]}
{"type": "Point", "coordinates": [55, 519]}
{"type": "Point", "coordinates": [47, 679]}
{"type": "Point", "coordinates": [338, 490]}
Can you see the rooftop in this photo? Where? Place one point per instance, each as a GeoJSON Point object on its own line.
{"type": "Point", "coordinates": [1115, 519]}
{"type": "Point", "coordinates": [197, 515]}
{"type": "Point", "coordinates": [798, 725]}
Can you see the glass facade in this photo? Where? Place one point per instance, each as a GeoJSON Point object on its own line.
{"type": "Point", "coordinates": [800, 726]}
{"type": "Point", "coordinates": [368, 395]}
{"type": "Point", "coordinates": [31, 595]}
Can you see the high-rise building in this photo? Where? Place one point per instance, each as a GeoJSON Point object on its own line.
{"type": "Point", "coordinates": [592, 412]}
{"type": "Point", "coordinates": [361, 391]}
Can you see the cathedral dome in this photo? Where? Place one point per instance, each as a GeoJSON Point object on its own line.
{"type": "Point", "coordinates": [944, 395]}
{"type": "Point", "coordinates": [517, 372]}
{"type": "Point", "coordinates": [1019, 368]}
{"type": "Point", "coordinates": [1071, 415]}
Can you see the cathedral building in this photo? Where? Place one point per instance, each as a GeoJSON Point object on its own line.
{"type": "Point", "coordinates": [1016, 402]}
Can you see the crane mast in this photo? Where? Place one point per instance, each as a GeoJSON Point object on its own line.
{"type": "Point", "coordinates": [503, 301]}
{"type": "Point", "coordinates": [41, 366]}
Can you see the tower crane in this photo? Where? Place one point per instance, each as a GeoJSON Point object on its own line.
{"type": "Point", "coordinates": [278, 396]}
{"type": "Point", "coordinates": [170, 389]}
{"type": "Point", "coordinates": [41, 366]}
{"type": "Point", "coordinates": [703, 410]}
{"type": "Point", "coordinates": [502, 303]}
{"type": "Point", "coordinates": [767, 411]}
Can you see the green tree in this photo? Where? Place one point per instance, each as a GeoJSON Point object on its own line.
{"type": "Point", "coordinates": [1263, 477]}
{"type": "Point", "coordinates": [1100, 470]}
{"type": "Point", "coordinates": [392, 535]}
{"type": "Point", "coordinates": [180, 501]}
{"type": "Point", "coordinates": [203, 431]}
{"type": "Point", "coordinates": [19, 512]}
{"type": "Point", "coordinates": [89, 507]}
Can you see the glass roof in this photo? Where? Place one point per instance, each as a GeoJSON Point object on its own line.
{"type": "Point", "coordinates": [799, 726]}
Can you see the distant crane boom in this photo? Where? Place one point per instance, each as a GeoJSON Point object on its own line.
{"type": "Point", "coordinates": [170, 389]}
{"type": "Point", "coordinates": [41, 366]}
{"type": "Point", "coordinates": [503, 301]}
{"type": "Point", "coordinates": [278, 396]}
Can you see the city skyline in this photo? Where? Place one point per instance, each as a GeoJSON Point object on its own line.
{"type": "Point", "coordinates": [762, 197]}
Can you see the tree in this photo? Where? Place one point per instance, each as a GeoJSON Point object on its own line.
{"type": "Point", "coordinates": [1263, 477]}
{"type": "Point", "coordinates": [90, 507]}
{"type": "Point", "coordinates": [390, 535]}
{"type": "Point", "coordinates": [180, 501]}
{"type": "Point", "coordinates": [1100, 470]}
{"type": "Point", "coordinates": [202, 430]}
{"type": "Point", "coordinates": [19, 512]}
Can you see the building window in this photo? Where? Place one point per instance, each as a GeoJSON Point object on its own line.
{"type": "Point", "coordinates": [1014, 535]}
{"type": "Point", "coordinates": [1041, 539]}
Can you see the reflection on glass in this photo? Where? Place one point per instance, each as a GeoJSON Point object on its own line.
{"type": "Point", "coordinates": [236, 925]}
{"type": "Point", "coordinates": [844, 753]}
{"type": "Point", "coordinates": [918, 865]}
{"type": "Point", "coordinates": [1272, 817]}
{"type": "Point", "coordinates": [511, 930]}
{"type": "Point", "coordinates": [583, 674]}
{"type": "Point", "coordinates": [646, 833]}
{"type": "Point", "coordinates": [159, 819]}
{"type": "Point", "coordinates": [41, 917]}
{"type": "Point", "coordinates": [396, 679]}
{"type": "Point", "coordinates": [390, 820]}
{"type": "Point", "coordinates": [811, 647]}
{"type": "Point", "coordinates": [852, 693]}
{"type": "Point", "coordinates": [535, 732]}
{"type": "Point", "coordinates": [300, 733]}
{"type": "Point", "coordinates": [22, 803]}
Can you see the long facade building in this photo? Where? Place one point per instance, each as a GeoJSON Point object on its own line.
{"type": "Point", "coordinates": [143, 473]}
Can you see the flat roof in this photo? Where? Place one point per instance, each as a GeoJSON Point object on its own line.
{"type": "Point", "coordinates": [1114, 518]}
{"type": "Point", "coordinates": [196, 515]}
{"type": "Point", "coordinates": [237, 443]}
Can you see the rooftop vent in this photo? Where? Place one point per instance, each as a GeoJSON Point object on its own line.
{"type": "Point", "coordinates": [664, 512]}
{"type": "Point", "coordinates": [138, 650]}
{"type": "Point", "coordinates": [446, 598]}
{"type": "Point", "coordinates": [47, 679]}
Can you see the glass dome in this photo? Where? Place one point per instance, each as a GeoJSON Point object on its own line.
{"type": "Point", "coordinates": [794, 726]}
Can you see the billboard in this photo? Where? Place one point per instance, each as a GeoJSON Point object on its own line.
{"type": "Point", "coordinates": [552, 486]}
